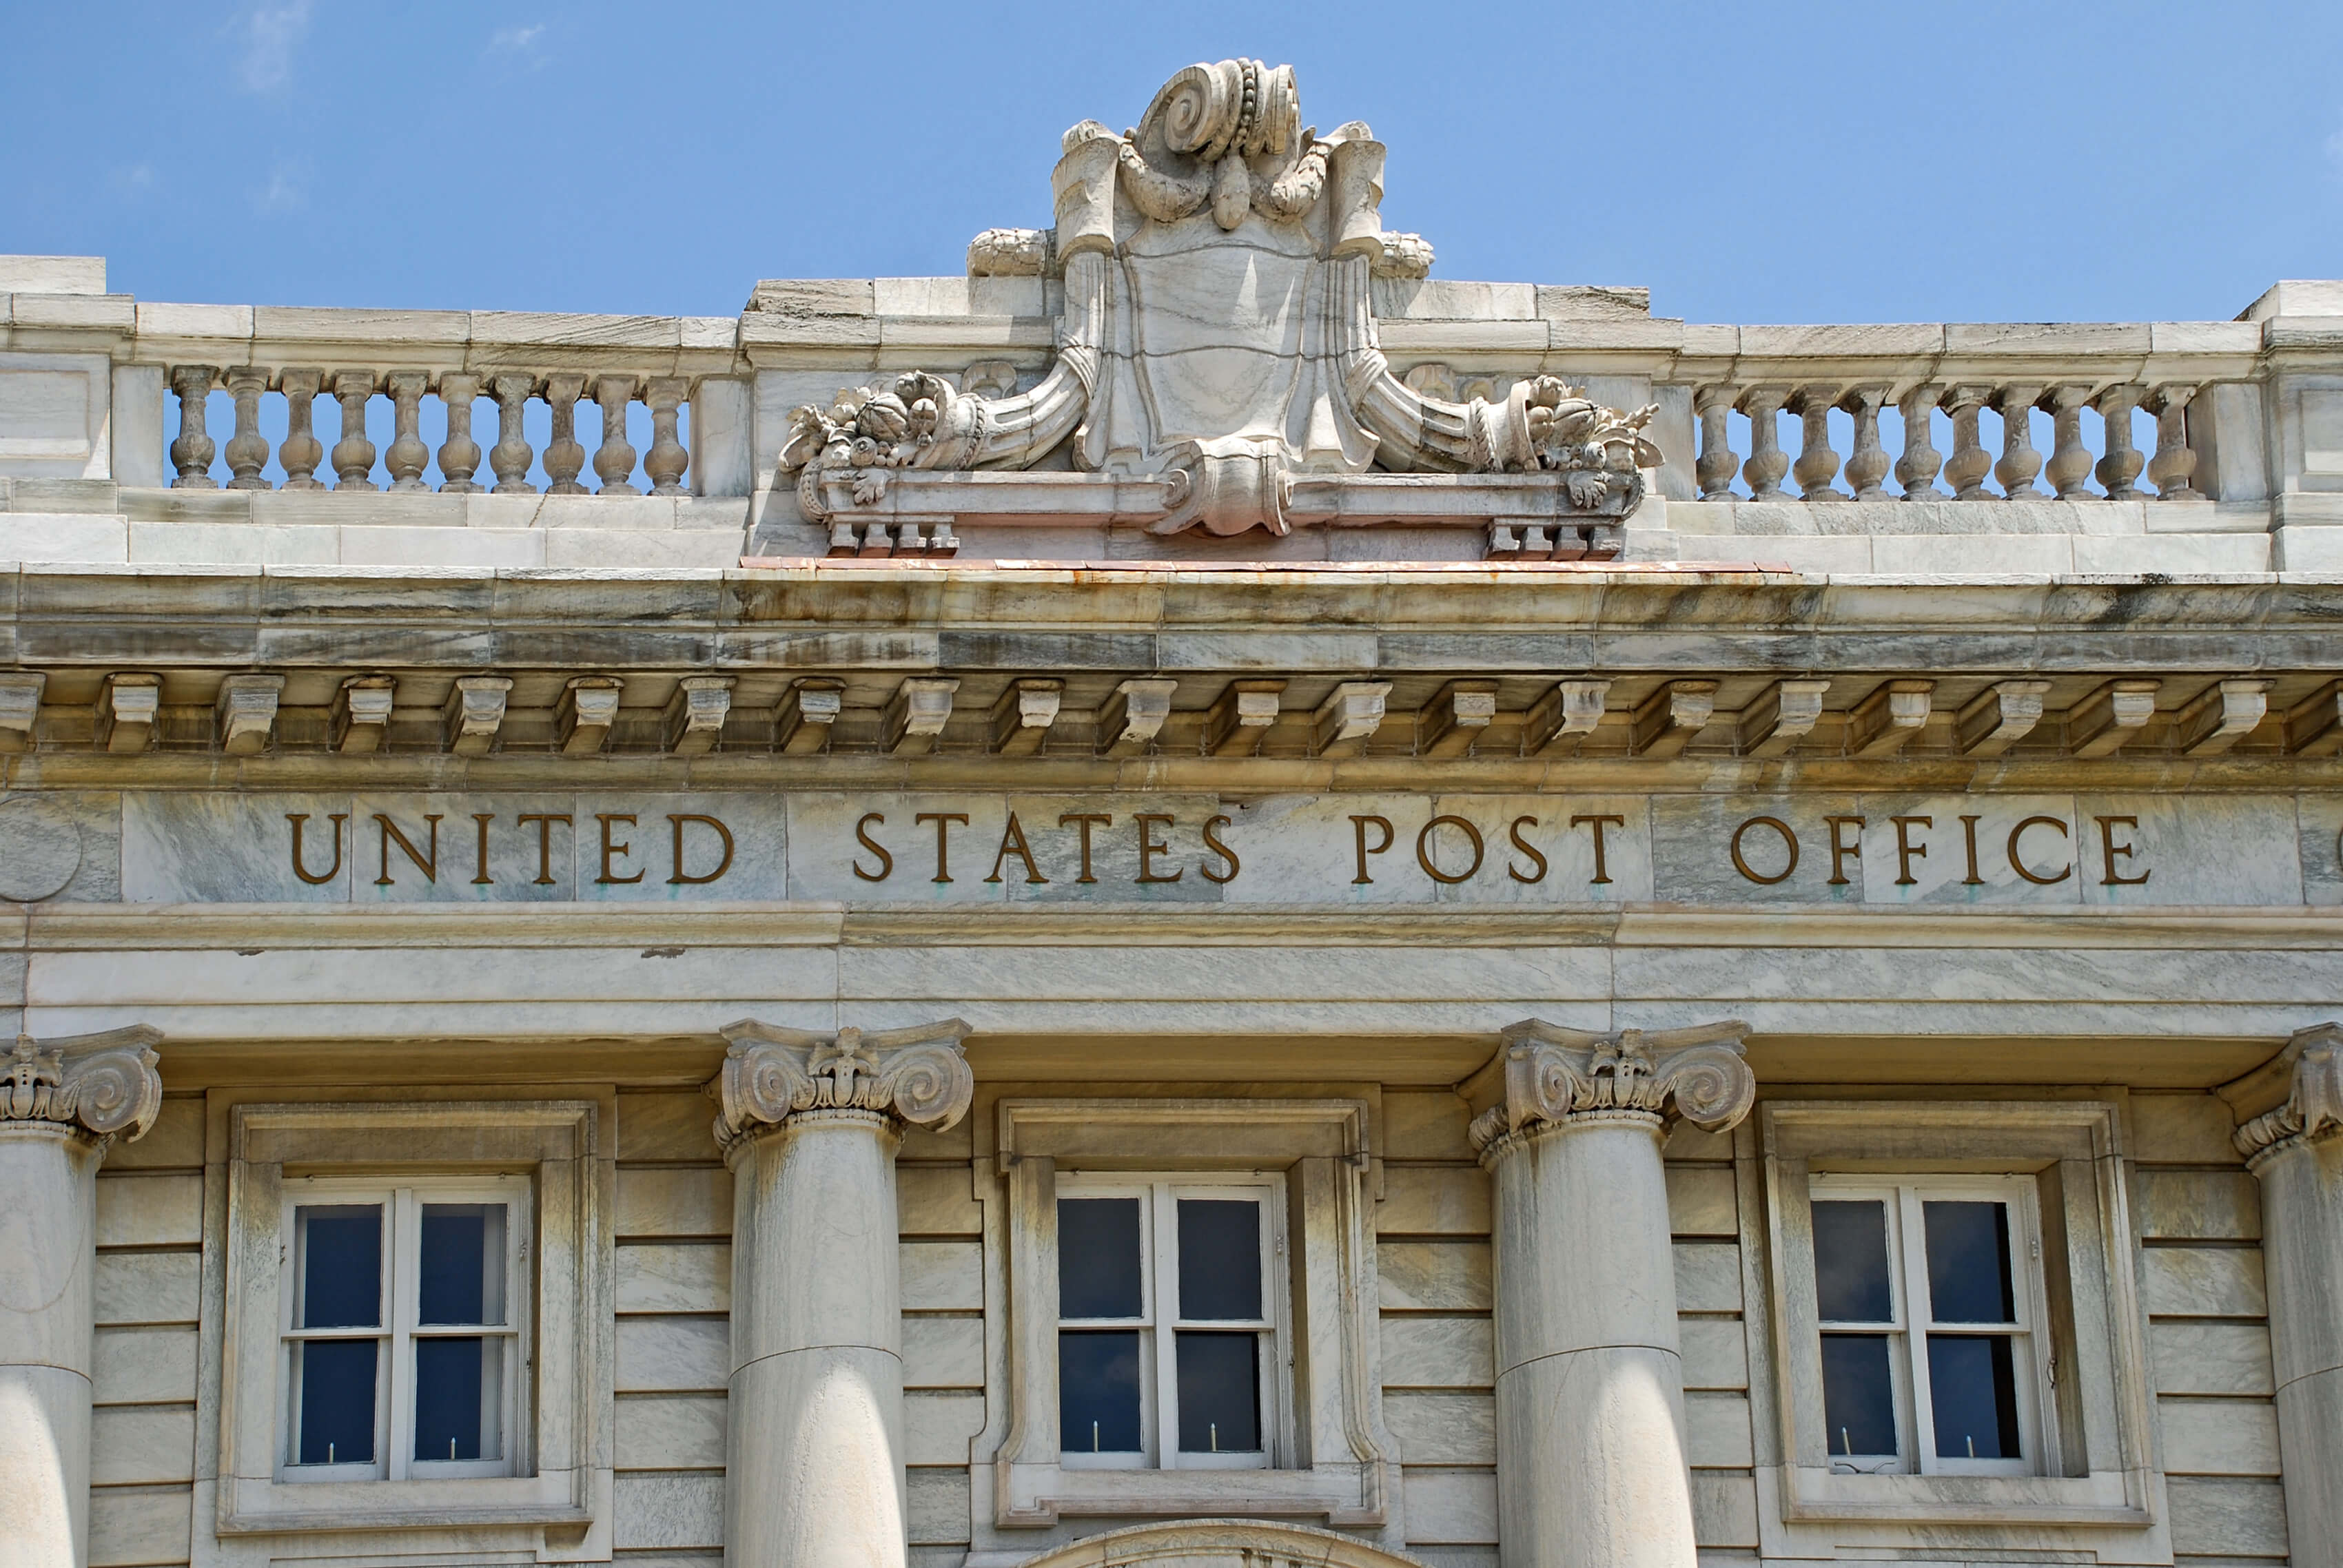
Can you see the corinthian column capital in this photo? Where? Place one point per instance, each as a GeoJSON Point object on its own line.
{"type": "Point", "coordinates": [1545, 1074]}
{"type": "Point", "coordinates": [2313, 1107]}
{"type": "Point", "coordinates": [915, 1075]}
{"type": "Point", "coordinates": [94, 1085]}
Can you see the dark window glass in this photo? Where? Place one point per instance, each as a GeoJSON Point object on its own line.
{"type": "Point", "coordinates": [1098, 1258]}
{"type": "Point", "coordinates": [1219, 1259]}
{"type": "Point", "coordinates": [1968, 1264]}
{"type": "Point", "coordinates": [448, 1397]}
{"type": "Point", "coordinates": [336, 1402]}
{"type": "Point", "coordinates": [454, 1284]}
{"type": "Point", "coordinates": [1097, 1391]}
{"type": "Point", "coordinates": [1973, 1380]}
{"type": "Point", "coordinates": [1220, 1392]}
{"type": "Point", "coordinates": [1851, 1264]}
{"type": "Point", "coordinates": [1858, 1397]}
{"type": "Point", "coordinates": [341, 1266]}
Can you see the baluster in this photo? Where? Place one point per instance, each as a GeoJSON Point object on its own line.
{"type": "Point", "coordinates": [353, 454]}
{"type": "Point", "coordinates": [563, 455]}
{"type": "Point", "coordinates": [408, 452]}
{"type": "Point", "coordinates": [1915, 470]}
{"type": "Point", "coordinates": [1717, 465]}
{"type": "Point", "coordinates": [459, 455]}
{"type": "Point", "coordinates": [2175, 463]}
{"type": "Point", "coordinates": [2070, 472]}
{"type": "Point", "coordinates": [613, 460]}
{"type": "Point", "coordinates": [1970, 462]}
{"type": "Point", "coordinates": [1868, 464]}
{"type": "Point", "coordinates": [2121, 465]}
{"type": "Point", "coordinates": [247, 449]}
{"type": "Point", "coordinates": [192, 452]}
{"type": "Point", "coordinates": [667, 459]}
{"type": "Point", "coordinates": [511, 453]}
{"type": "Point", "coordinates": [1817, 465]}
{"type": "Point", "coordinates": [1767, 463]}
{"type": "Point", "coordinates": [302, 451]}
{"type": "Point", "coordinates": [2019, 461]}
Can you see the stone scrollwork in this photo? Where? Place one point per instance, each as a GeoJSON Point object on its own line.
{"type": "Point", "coordinates": [2313, 1107]}
{"type": "Point", "coordinates": [96, 1085]}
{"type": "Point", "coordinates": [916, 1075]}
{"type": "Point", "coordinates": [1543, 1073]}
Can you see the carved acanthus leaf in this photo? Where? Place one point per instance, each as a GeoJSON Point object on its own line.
{"type": "Point", "coordinates": [1545, 1073]}
{"type": "Point", "coordinates": [2314, 1105]}
{"type": "Point", "coordinates": [98, 1084]}
{"type": "Point", "coordinates": [916, 1075]}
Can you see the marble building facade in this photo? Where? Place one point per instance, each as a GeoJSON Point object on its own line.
{"type": "Point", "coordinates": [1196, 898]}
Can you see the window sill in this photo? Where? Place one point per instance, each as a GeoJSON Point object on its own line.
{"type": "Point", "coordinates": [1044, 1493]}
{"type": "Point", "coordinates": [1814, 1497]}
{"type": "Point", "coordinates": [257, 1507]}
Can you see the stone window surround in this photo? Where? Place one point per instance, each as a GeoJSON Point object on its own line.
{"type": "Point", "coordinates": [561, 1506]}
{"type": "Point", "coordinates": [1324, 1147]}
{"type": "Point", "coordinates": [2073, 1150]}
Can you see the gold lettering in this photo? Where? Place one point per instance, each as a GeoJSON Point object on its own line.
{"type": "Point", "coordinates": [943, 822]}
{"type": "Point", "coordinates": [1968, 831]}
{"type": "Point", "coordinates": [1012, 842]}
{"type": "Point", "coordinates": [545, 821]}
{"type": "Point", "coordinates": [1359, 826]}
{"type": "Point", "coordinates": [1088, 820]}
{"type": "Point", "coordinates": [1526, 848]}
{"type": "Point", "coordinates": [723, 832]}
{"type": "Point", "coordinates": [2110, 851]}
{"type": "Point", "coordinates": [1601, 873]}
{"type": "Point", "coordinates": [2017, 863]}
{"type": "Point", "coordinates": [610, 848]}
{"type": "Point", "coordinates": [863, 837]}
{"type": "Point", "coordinates": [1907, 851]}
{"type": "Point", "coordinates": [430, 866]}
{"type": "Point", "coordinates": [302, 872]}
{"type": "Point", "coordinates": [480, 858]}
{"type": "Point", "coordinates": [1840, 849]}
{"type": "Point", "coordinates": [1149, 849]}
{"type": "Point", "coordinates": [1423, 850]}
{"type": "Point", "coordinates": [1789, 841]}
{"type": "Point", "coordinates": [1212, 842]}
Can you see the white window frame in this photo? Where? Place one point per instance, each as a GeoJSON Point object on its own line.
{"type": "Point", "coordinates": [556, 1504]}
{"type": "Point", "coordinates": [2095, 1487]}
{"type": "Point", "coordinates": [397, 1328]}
{"type": "Point", "coordinates": [1159, 1195]}
{"type": "Point", "coordinates": [1910, 1328]}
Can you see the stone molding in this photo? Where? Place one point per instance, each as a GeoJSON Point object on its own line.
{"type": "Point", "coordinates": [92, 1085]}
{"type": "Point", "coordinates": [2313, 1109]}
{"type": "Point", "coordinates": [917, 1075]}
{"type": "Point", "coordinates": [1546, 1075]}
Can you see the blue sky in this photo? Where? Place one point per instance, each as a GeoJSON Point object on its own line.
{"type": "Point", "coordinates": [1778, 162]}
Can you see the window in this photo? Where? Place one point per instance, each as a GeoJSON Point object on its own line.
{"type": "Point", "coordinates": [1168, 1345]}
{"type": "Point", "coordinates": [1925, 1297]}
{"type": "Point", "coordinates": [405, 1311]}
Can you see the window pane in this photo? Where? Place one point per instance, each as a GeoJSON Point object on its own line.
{"type": "Point", "coordinates": [456, 1395]}
{"type": "Point", "coordinates": [1220, 1392]}
{"type": "Point", "coordinates": [1975, 1383]}
{"type": "Point", "coordinates": [1968, 1264]}
{"type": "Point", "coordinates": [1851, 1264]}
{"type": "Point", "coordinates": [1098, 1258]}
{"type": "Point", "coordinates": [1858, 1393]}
{"type": "Point", "coordinates": [462, 1273]}
{"type": "Point", "coordinates": [341, 1266]}
{"type": "Point", "coordinates": [1097, 1391]}
{"type": "Point", "coordinates": [1220, 1258]}
{"type": "Point", "coordinates": [336, 1402]}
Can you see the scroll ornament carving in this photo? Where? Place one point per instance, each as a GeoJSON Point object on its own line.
{"type": "Point", "coordinates": [1217, 332]}
{"type": "Point", "coordinates": [1551, 1074]}
{"type": "Point", "coordinates": [2314, 1108]}
{"type": "Point", "coordinates": [96, 1085]}
{"type": "Point", "coordinates": [915, 1075]}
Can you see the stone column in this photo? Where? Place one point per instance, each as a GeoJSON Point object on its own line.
{"type": "Point", "coordinates": [2296, 1152]}
{"type": "Point", "coordinates": [814, 1473]}
{"type": "Point", "coordinates": [61, 1104]}
{"type": "Point", "coordinates": [1590, 1469]}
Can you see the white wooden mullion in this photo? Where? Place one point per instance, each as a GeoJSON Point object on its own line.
{"type": "Point", "coordinates": [1161, 1253]}
{"type": "Point", "coordinates": [1919, 1313]}
{"type": "Point", "coordinates": [400, 1274]}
